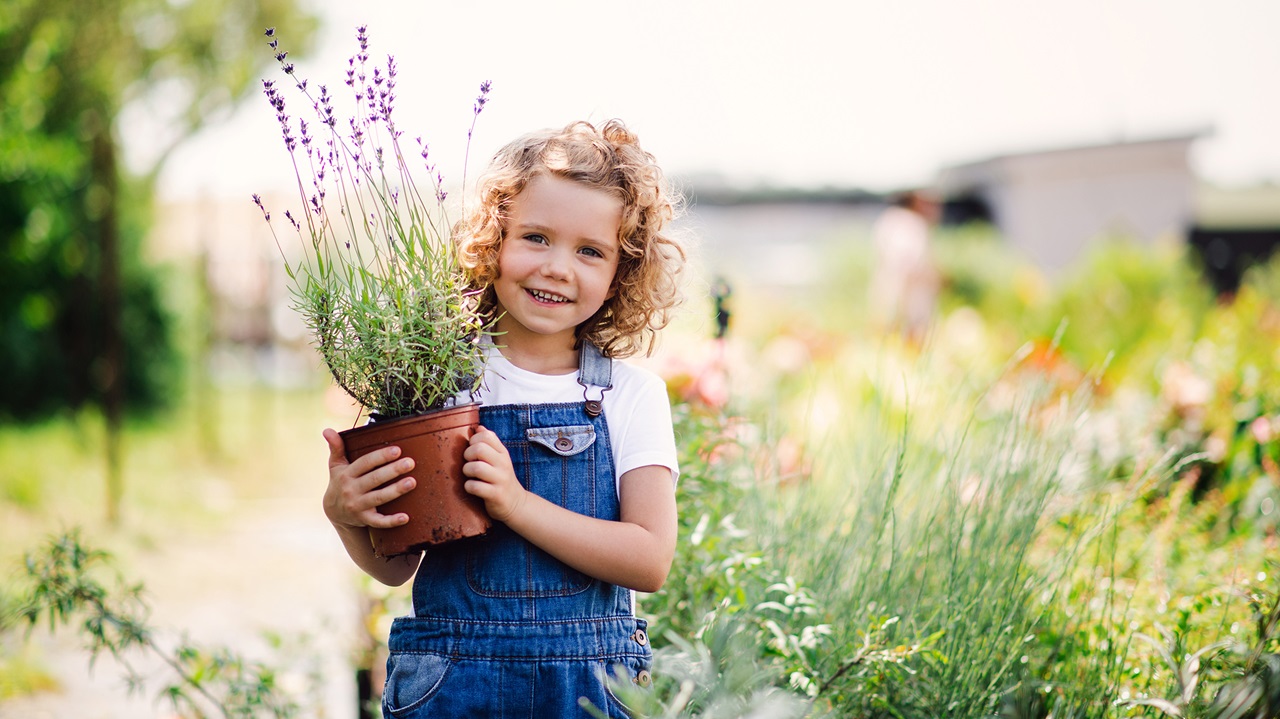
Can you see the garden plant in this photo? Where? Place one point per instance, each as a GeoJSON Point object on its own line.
{"type": "Point", "coordinates": [377, 281]}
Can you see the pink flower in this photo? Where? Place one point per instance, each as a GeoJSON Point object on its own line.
{"type": "Point", "coordinates": [1262, 430]}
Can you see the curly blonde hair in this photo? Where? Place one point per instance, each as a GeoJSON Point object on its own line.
{"type": "Point", "coordinates": [646, 284]}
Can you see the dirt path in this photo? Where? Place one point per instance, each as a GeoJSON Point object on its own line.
{"type": "Point", "coordinates": [275, 564]}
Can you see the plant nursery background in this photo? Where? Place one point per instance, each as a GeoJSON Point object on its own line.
{"type": "Point", "coordinates": [1059, 498]}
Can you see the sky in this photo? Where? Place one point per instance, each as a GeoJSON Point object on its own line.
{"type": "Point", "coordinates": [877, 95]}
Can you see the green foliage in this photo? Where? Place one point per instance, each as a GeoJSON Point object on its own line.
{"type": "Point", "coordinates": [64, 589]}
{"type": "Point", "coordinates": [1127, 308]}
{"type": "Point", "coordinates": [981, 272]}
{"type": "Point", "coordinates": [1221, 410]}
{"type": "Point", "coordinates": [714, 557]}
{"type": "Point", "coordinates": [379, 283]}
{"type": "Point", "coordinates": [1227, 679]}
{"type": "Point", "coordinates": [717, 675]}
{"type": "Point", "coordinates": [72, 284]}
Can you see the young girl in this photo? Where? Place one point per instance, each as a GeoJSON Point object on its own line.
{"type": "Point", "coordinates": [575, 460]}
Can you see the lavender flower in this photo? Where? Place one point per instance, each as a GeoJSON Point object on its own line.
{"type": "Point", "coordinates": [404, 247]}
{"type": "Point", "coordinates": [258, 201]}
{"type": "Point", "coordinates": [483, 99]}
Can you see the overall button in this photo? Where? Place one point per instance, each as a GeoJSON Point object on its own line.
{"type": "Point", "coordinates": [564, 444]}
{"type": "Point", "coordinates": [644, 678]}
{"type": "Point", "coordinates": [641, 637]}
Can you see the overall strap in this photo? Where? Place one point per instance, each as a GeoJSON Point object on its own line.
{"type": "Point", "coordinates": [594, 370]}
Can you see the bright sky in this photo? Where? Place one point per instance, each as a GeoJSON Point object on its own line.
{"type": "Point", "coordinates": [798, 93]}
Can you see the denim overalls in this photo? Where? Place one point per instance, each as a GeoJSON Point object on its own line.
{"type": "Point", "coordinates": [501, 628]}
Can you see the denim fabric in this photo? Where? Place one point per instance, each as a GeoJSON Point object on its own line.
{"type": "Point", "coordinates": [500, 627]}
{"type": "Point", "coordinates": [519, 669]}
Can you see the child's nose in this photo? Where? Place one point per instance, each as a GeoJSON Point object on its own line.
{"type": "Point", "coordinates": [557, 266]}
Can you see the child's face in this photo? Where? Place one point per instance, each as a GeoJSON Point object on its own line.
{"type": "Point", "coordinates": [558, 259]}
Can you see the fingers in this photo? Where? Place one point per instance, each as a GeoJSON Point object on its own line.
{"type": "Point", "coordinates": [358, 505]}
{"type": "Point", "coordinates": [365, 463]}
{"type": "Point", "coordinates": [483, 453]}
{"type": "Point", "coordinates": [486, 447]}
{"type": "Point", "coordinates": [337, 451]}
{"type": "Point", "coordinates": [378, 497]}
{"type": "Point", "coordinates": [486, 437]}
{"type": "Point", "coordinates": [374, 518]}
{"type": "Point", "coordinates": [379, 459]}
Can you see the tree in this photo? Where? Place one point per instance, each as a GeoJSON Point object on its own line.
{"type": "Point", "coordinates": [80, 316]}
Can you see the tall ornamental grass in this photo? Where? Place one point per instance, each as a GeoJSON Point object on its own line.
{"type": "Point", "coordinates": [901, 566]}
{"type": "Point", "coordinates": [925, 510]}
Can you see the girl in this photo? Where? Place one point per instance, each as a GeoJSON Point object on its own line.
{"type": "Point", "coordinates": [575, 460]}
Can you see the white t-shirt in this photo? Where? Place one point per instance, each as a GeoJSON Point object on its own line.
{"type": "Point", "coordinates": [636, 410]}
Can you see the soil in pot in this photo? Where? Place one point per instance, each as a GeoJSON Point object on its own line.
{"type": "Point", "coordinates": [439, 509]}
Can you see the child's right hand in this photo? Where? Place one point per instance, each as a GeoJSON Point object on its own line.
{"type": "Point", "coordinates": [352, 497]}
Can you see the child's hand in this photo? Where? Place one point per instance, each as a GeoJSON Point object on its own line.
{"type": "Point", "coordinates": [492, 477]}
{"type": "Point", "coordinates": [352, 498]}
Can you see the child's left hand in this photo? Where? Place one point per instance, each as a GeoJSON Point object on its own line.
{"type": "Point", "coordinates": [492, 477]}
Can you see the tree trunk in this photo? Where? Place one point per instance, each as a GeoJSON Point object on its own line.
{"type": "Point", "coordinates": [111, 369]}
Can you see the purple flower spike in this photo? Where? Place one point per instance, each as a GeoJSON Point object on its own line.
{"type": "Point", "coordinates": [258, 201]}
{"type": "Point", "coordinates": [271, 32]}
{"type": "Point", "coordinates": [483, 99]}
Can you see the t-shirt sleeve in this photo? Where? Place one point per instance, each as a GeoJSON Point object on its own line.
{"type": "Point", "coordinates": [649, 437]}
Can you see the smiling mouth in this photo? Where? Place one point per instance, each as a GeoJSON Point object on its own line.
{"type": "Point", "coordinates": [547, 297]}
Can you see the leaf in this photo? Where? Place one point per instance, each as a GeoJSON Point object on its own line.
{"type": "Point", "coordinates": [1163, 705]}
{"type": "Point", "coordinates": [1236, 700]}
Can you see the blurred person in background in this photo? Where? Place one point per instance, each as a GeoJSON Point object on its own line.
{"type": "Point", "coordinates": [905, 282]}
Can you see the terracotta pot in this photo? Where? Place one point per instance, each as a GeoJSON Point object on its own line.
{"type": "Point", "coordinates": [439, 508]}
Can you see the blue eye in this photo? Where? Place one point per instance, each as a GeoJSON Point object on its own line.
{"type": "Point", "coordinates": [534, 237]}
{"type": "Point", "coordinates": [591, 251]}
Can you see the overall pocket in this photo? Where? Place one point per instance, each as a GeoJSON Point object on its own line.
{"type": "Point", "coordinates": [559, 465]}
{"type": "Point", "coordinates": [413, 679]}
{"type": "Point", "coordinates": [632, 674]}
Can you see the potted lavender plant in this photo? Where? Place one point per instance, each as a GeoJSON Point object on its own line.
{"type": "Point", "coordinates": [378, 283]}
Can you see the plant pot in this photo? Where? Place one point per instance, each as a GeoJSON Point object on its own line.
{"type": "Point", "coordinates": [439, 509]}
